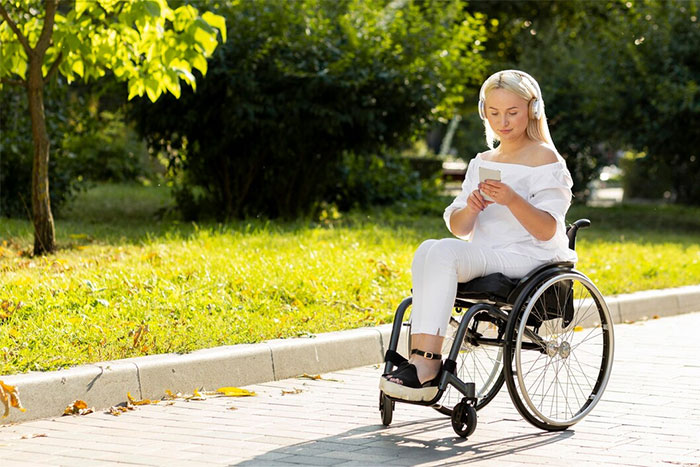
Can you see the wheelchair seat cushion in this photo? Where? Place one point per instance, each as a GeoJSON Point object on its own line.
{"type": "Point", "coordinates": [495, 287]}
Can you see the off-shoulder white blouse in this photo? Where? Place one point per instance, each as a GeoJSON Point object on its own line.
{"type": "Point", "coordinates": [546, 187]}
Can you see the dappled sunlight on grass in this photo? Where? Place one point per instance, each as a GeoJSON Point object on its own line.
{"type": "Point", "coordinates": [130, 279]}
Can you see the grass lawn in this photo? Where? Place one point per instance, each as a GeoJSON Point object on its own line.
{"type": "Point", "coordinates": [128, 280]}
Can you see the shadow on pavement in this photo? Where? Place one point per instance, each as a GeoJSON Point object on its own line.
{"type": "Point", "coordinates": [407, 443]}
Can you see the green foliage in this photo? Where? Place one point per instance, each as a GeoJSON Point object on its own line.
{"type": "Point", "coordinates": [660, 83]}
{"type": "Point", "coordinates": [298, 85]}
{"type": "Point", "coordinates": [187, 286]}
{"type": "Point", "coordinates": [363, 181]}
{"type": "Point", "coordinates": [143, 42]}
{"type": "Point", "coordinates": [103, 147]}
{"type": "Point", "coordinates": [644, 178]}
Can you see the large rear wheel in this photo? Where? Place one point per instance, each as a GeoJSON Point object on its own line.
{"type": "Point", "coordinates": [560, 351]}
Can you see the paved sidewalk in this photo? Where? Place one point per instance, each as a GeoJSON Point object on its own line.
{"type": "Point", "coordinates": [649, 415]}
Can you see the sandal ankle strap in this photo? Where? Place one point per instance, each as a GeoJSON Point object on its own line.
{"type": "Point", "coordinates": [428, 355]}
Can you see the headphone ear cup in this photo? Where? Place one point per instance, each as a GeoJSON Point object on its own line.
{"type": "Point", "coordinates": [482, 112]}
{"type": "Point", "coordinates": [535, 109]}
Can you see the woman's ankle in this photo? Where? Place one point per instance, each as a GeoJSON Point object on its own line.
{"type": "Point", "coordinates": [427, 369]}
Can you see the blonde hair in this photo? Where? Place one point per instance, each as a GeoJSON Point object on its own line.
{"type": "Point", "coordinates": [525, 86]}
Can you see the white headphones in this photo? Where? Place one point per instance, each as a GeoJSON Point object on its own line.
{"type": "Point", "coordinates": [536, 108]}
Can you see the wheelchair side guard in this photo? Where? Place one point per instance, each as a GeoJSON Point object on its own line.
{"type": "Point", "coordinates": [560, 297]}
{"type": "Point", "coordinates": [553, 301]}
{"type": "Point", "coordinates": [537, 275]}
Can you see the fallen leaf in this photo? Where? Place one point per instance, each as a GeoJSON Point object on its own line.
{"type": "Point", "coordinates": [78, 407]}
{"type": "Point", "coordinates": [307, 376]}
{"type": "Point", "coordinates": [232, 408]}
{"type": "Point", "coordinates": [293, 391]}
{"type": "Point", "coordinates": [140, 402]}
{"type": "Point", "coordinates": [196, 396]}
{"type": "Point", "coordinates": [117, 410]}
{"type": "Point", "coordinates": [138, 333]}
{"type": "Point", "coordinates": [317, 377]}
{"type": "Point", "coordinates": [234, 392]}
{"type": "Point", "coordinates": [10, 398]}
{"type": "Point", "coordinates": [578, 328]}
{"type": "Point", "coordinates": [5, 310]}
{"type": "Point", "coordinates": [35, 435]}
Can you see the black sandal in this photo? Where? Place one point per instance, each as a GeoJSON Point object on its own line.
{"type": "Point", "coordinates": [410, 388]}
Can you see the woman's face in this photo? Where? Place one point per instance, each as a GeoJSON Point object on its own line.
{"type": "Point", "coordinates": [507, 114]}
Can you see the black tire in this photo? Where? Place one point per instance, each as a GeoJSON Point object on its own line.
{"type": "Point", "coordinates": [386, 408]}
{"type": "Point", "coordinates": [481, 365]}
{"type": "Point", "coordinates": [557, 375]}
{"type": "Point", "coordinates": [464, 419]}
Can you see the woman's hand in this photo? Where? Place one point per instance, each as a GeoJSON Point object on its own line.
{"type": "Point", "coordinates": [476, 203]}
{"type": "Point", "coordinates": [498, 191]}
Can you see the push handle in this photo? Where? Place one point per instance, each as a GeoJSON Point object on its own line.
{"type": "Point", "coordinates": [573, 228]}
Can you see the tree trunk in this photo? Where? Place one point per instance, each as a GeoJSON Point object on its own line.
{"type": "Point", "coordinates": [44, 233]}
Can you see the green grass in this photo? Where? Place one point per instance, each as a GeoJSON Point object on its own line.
{"type": "Point", "coordinates": [129, 280]}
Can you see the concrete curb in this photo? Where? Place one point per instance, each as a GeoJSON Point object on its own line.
{"type": "Point", "coordinates": [101, 385]}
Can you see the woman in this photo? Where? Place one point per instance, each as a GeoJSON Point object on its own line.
{"type": "Point", "coordinates": [513, 225]}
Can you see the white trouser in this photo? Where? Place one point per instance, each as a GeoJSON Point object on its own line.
{"type": "Point", "coordinates": [439, 265]}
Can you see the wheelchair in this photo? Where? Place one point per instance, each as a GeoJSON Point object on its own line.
{"type": "Point", "coordinates": [548, 337]}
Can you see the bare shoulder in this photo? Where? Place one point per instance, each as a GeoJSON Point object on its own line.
{"type": "Point", "coordinates": [542, 154]}
{"type": "Point", "coordinates": [486, 155]}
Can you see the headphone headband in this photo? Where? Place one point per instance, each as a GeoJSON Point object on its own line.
{"type": "Point", "coordinates": [536, 107]}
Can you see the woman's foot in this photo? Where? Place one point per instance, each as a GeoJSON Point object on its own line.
{"type": "Point", "coordinates": [415, 380]}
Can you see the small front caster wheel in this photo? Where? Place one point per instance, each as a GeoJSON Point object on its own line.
{"type": "Point", "coordinates": [464, 419]}
{"type": "Point", "coordinates": [386, 408]}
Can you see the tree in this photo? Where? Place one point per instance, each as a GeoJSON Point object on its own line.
{"type": "Point", "coordinates": [301, 84]}
{"type": "Point", "coordinates": [660, 84]}
{"type": "Point", "coordinates": [143, 42]}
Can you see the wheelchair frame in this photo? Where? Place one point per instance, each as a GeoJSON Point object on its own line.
{"type": "Point", "coordinates": [518, 322]}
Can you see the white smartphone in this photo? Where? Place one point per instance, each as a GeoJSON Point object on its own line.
{"type": "Point", "coordinates": [488, 174]}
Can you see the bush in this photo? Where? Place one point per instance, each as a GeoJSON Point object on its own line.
{"type": "Point", "coordinates": [102, 147]}
{"type": "Point", "coordinates": [378, 180]}
{"type": "Point", "coordinates": [300, 85]}
{"type": "Point", "coordinates": [644, 178]}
